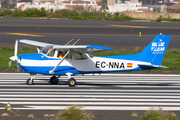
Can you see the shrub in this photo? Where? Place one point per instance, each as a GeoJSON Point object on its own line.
{"type": "Point", "coordinates": [122, 17]}
{"type": "Point", "coordinates": [7, 48]}
{"type": "Point", "coordinates": [157, 114]}
{"type": "Point", "coordinates": [174, 51]}
{"type": "Point", "coordinates": [57, 14]}
{"type": "Point", "coordinates": [73, 112]}
{"type": "Point", "coordinates": [107, 14]}
{"type": "Point", "coordinates": [78, 13]}
{"type": "Point", "coordinates": [30, 13]}
{"type": "Point", "coordinates": [77, 18]}
{"type": "Point", "coordinates": [116, 14]}
{"type": "Point", "coordinates": [92, 17]}
{"type": "Point", "coordinates": [160, 18]}
{"type": "Point", "coordinates": [107, 18]}
{"type": "Point", "coordinates": [28, 48]}
{"type": "Point", "coordinates": [5, 12]}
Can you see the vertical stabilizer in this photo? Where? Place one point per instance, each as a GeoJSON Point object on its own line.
{"type": "Point", "coordinates": [155, 51]}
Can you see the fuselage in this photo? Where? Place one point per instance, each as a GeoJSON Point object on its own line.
{"type": "Point", "coordinates": [39, 63]}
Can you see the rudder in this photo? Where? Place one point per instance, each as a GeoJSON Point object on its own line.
{"type": "Point", "coordinates": [155, 51]}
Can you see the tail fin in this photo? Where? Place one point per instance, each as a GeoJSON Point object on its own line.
{"type": "Point", "coordinates": [155, 51]}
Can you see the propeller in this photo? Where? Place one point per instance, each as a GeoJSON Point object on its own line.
{"type": "Point", "coordinates": [16, 48]}
{"type": "Point", "coordinates": [14, 58]}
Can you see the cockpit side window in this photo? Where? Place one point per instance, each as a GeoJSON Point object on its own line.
{"type": "Point", "coordinates": [51, 53]}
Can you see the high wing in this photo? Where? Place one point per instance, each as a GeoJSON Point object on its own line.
{"type": "Point", "coordinates": [81, 48]}
{"type": "Point", "coordinates": [75, 48]}
{"type": "Point", "coordinates": [34, 43]}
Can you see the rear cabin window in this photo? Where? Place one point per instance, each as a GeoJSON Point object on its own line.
{"type": "Point", "coordinates": [79, 56]}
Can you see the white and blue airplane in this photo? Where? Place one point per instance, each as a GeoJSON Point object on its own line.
{"type": "Point", "coordinates": [78, 60]}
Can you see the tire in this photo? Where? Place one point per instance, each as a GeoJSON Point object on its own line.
{"type": "Point", "coordinates": [30, 82]}
{"type": "Point", "coordinates": [71, 82]}
{"type": "Point", "coordinates": [54, 80]}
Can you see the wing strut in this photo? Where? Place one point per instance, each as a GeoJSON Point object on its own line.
{"type": "Point", "coordinates": [69, 42]}
{"type": "Point", "coordinates": [76, 42]}
{"type": "Point", "coordinates": [52, 71]}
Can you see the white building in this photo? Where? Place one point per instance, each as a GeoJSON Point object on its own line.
{"type": "Point", "coordinates": [132, 5]}
{"type": "Point", "coordinates": [113, 6]}
{"type": "Point", "coordinates": [55, 5]}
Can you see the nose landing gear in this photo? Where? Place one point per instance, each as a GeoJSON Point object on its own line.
{"type": "Point", "coordinates": [30, 80]}
{"type": "Point", "coordinates": [71, 81]}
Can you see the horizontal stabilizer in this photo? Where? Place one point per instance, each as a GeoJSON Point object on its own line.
{"type": "Point", "coordinates": [151, 66]}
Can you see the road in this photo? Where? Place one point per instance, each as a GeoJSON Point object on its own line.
{"type": "Point", "coordinates": [112, 93]}
{"type": "Point", "coordinates": [115, 34]}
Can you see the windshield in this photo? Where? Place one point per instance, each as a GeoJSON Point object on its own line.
{"type": "Point", "coordinates": [46, 49]}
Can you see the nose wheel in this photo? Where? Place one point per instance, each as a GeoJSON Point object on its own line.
{"type": "Point", "coordinates": [71, 82]}
{"type": "Point", "coordinates": [30, 81]}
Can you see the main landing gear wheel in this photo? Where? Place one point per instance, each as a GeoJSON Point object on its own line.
{"type": "Point", "coordinates": [71, 82]}
{"type": "Point", "coordinates": [54, 80]}
{"type": "Point", "coordinates": [30, 82]}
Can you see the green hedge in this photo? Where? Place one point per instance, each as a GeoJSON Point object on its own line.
{"type": "Point", "coordinates": [76, 14]}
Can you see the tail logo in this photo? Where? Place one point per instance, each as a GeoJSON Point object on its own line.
{"type": "Point", "coordinates": [158, 47]}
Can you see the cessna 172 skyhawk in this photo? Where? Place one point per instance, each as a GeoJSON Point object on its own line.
{"type": "Point", "coordinates": [77, 59]}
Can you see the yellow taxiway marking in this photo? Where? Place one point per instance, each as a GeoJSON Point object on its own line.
{"type": "Point", "coordinates": [129, 26]}
{"type": "Point", "coordinates": [105, 26]}
{"type": "Point", "coordinates": [26, 34]}
{"type": "Point", "coordinates": [52, 26]}
{"type": "Point", "coordinates": [93, 34]}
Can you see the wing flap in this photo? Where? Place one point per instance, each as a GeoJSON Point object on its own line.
{"type": "Point", "coordinates": [82, 48]}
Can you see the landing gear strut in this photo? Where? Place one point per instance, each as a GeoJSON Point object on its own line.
{"type": "Point", "coordinates": [30, 80]}
{"type": "Point", "coordinates": [54, 80]}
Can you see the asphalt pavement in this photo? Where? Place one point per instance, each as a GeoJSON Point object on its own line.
{"type": "Point", "coordinates": [105, 96]}
{"type": "Point", "coordinates": [115, 34]}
